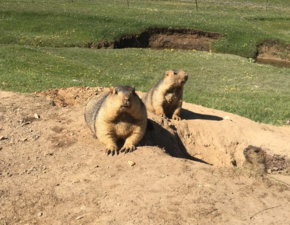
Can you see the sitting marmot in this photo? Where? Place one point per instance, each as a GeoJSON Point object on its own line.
{"type": "Point", "coordinates": [166, 97]}
{"type": "Point", "coordinates": [117, 114]}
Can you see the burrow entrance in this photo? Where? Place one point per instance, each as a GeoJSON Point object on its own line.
{"type": "Point", "coordinates": [163, 38]}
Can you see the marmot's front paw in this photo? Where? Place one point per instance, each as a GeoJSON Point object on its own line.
{"type": "Point", "coordinates": [112, 149]}
{"type": "Point", "coordinates": [128, 148]}
{"type": "Point", "coordinates": [175, 117]}
{"type": "Point", "coordinates": [164, 116]}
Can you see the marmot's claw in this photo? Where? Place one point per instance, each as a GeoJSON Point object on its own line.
{"type": "Point", "coordinates": [176, 118]}
{"type": "Point", "coordinates": [164, 116]}
{"type": "Point", "coordinates": [108, 151]}
{"type": "Point", "coordinates": [128, 149]}
{"type": "Point", "coordinates": [113, 151]}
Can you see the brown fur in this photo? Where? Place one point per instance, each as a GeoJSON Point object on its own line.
{"type": "Point", "coordinates": [166, 97]}
{"type": "Point", "coordinates": [117, 114]}
{"type": "Point", "coordinates": [255, 158]}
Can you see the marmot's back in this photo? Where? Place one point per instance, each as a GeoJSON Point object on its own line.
{"type": "Point", "coordinates": [92, 110]}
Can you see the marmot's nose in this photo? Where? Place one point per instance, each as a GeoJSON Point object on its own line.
{"type": "Point", "coordinates": [126, 100]}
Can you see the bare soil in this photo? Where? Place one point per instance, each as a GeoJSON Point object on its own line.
{"type": "Point", "coordinates": [274, 53]}
{"type": "Point", "coordinates": [52, 171]}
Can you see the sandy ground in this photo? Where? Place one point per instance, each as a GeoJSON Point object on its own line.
{"type": "Point", "coordinates": [52, 171]}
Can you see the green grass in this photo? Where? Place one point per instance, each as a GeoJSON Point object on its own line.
{"type": "Point", "coordinates": [220, 81]}
{"type": "Point", "coordinates": [40, 49]}
{"type": "Point", "coordinates": [64, 23]}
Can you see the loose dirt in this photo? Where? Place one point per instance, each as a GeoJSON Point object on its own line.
{"type": "Point", "coordinates": [52, 171]}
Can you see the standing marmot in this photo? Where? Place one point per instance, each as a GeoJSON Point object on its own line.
{"type": "Point", "coordinates": [117, 114]}
{"type": "Point", "coordinates": [166, 97]}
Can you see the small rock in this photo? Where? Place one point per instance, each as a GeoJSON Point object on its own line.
{"type": "Point", "coordinates": [287, 122]}
{"type": "Point", "coordinates": [269, 171]}
{"type": "Point", "coordinates": [36, 116]}
{"type": "Point", "coordinates": [3, 138]}
{"type": "Point", "coordinates": [52, 103]}
{"type": "Point", "coordinates": [79, 217]}
{"type": "Point", "coordinates": [40, 214]}
{"type": "Point", "coordinates": [227, 118]}
{"type": "Point", "coordinates": [131, 163]}
{"type": "Point", "coordinates": [23, 139]}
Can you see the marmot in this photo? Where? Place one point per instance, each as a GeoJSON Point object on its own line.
{"type": "Point", "coordinates": [117, 114]}
{"type": "Point", "coordinates": [255, 158]}
{"type": "Point", "coordinates": [166, 97]}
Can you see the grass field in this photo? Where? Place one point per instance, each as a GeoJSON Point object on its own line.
{"type": "Point", "coordinates": [41, 47]}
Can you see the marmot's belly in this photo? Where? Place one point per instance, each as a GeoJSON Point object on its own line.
{"type": "Point", "coordinates": [124, 129]}
{"type": "Point", "coordinates": [171, 98]}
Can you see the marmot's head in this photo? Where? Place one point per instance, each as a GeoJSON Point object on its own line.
{"type": "Point", "coordinates": [176, 77]}
{"type": "Point", "coordinates": [125, 96]}
{"type": "Point", "coordinates": [254, 154]}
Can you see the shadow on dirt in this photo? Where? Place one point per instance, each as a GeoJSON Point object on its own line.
{"type": "Point", "coordinates": [188, 115]}
{"type": "Point", "coordinates": [167, 139]}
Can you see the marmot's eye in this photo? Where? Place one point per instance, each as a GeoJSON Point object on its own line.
{"type": "Point", "coordinates": [175, 73]}
{"type": "Point", "coordinates": [116, 92]}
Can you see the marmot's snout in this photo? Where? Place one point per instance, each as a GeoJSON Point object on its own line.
{"type": "Point", "coordinates": [126, 101]}
{"type": "Point", "coordinates": [185, 78]}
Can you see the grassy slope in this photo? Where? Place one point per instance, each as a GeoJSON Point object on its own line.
{"type": "Point", "coordinates": [62, 23]}
{"type": "Point", "coordinates": [30, 61]}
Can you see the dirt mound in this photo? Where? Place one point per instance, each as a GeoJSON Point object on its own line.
{"type": "Point", "coordinates": [69, 96]}
{"type": "Point", "coordinates": [217, 138]}
{"type": "Point", "coordinates": [52, 171]}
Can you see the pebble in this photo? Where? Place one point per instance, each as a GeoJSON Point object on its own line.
{"type": "Point", "coordinates": [131, 163]}
{"type": "Point", "coordinates": [79, 217]}
{"type": "Point", "coordinates": [227, 118]}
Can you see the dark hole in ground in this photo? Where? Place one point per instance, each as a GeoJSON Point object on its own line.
{"type": "Point", "coordinates": [164, 38]}
{"type": "Point", "coordinates": [268, 52]}
{"type": "Point", "coordinates": [273, 52]}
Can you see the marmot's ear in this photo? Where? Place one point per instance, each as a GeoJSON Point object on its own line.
{"type": "Point", "coordinates": [133, 88]}
{"type": "Point", "coordinates": [112, 90]}
{"type": "Point", "coordinates": [167, 73]}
